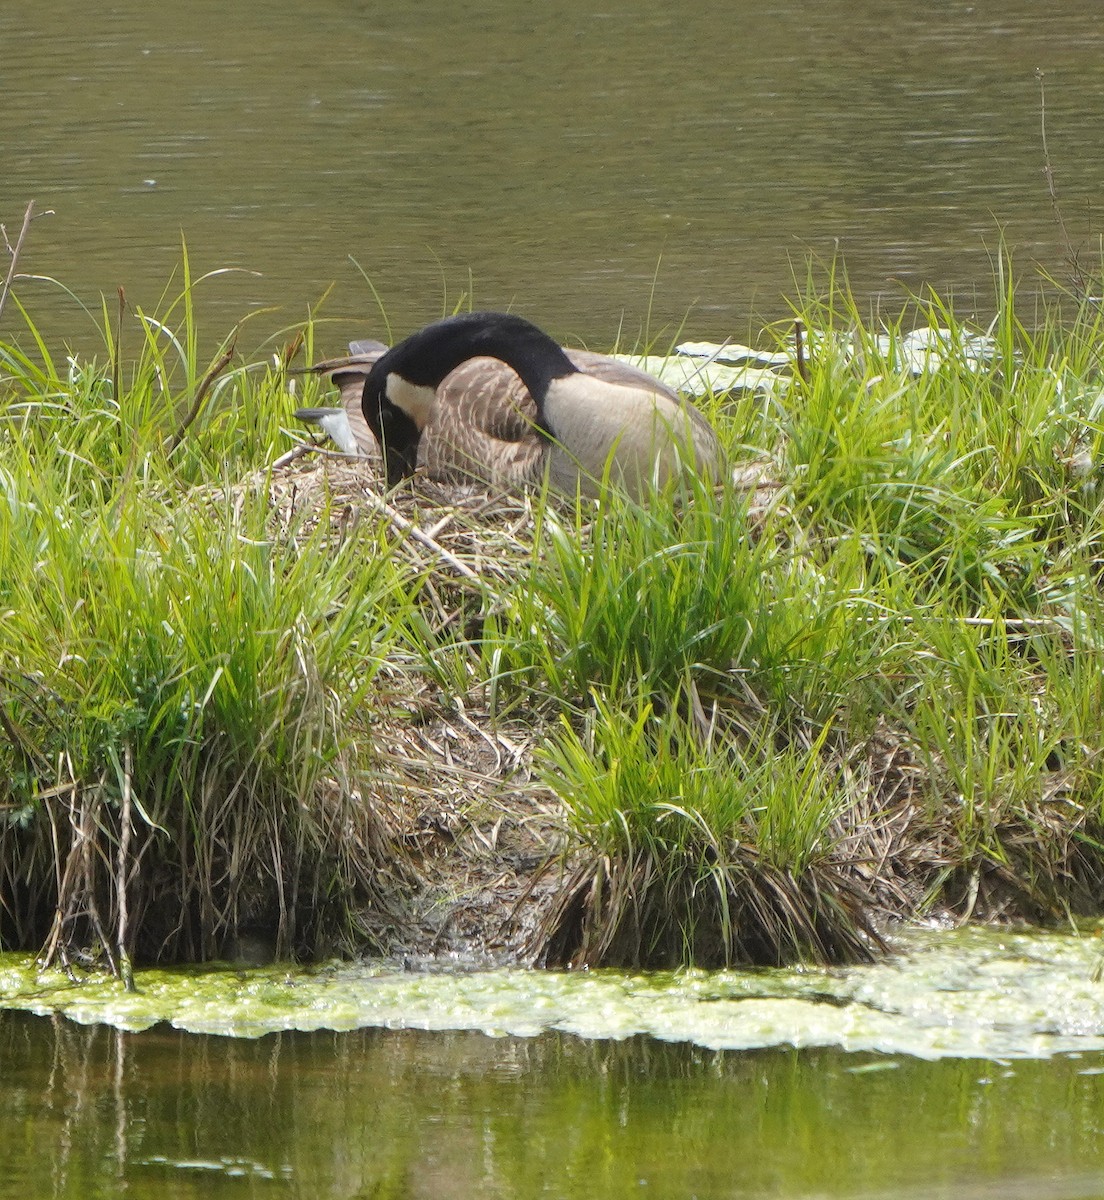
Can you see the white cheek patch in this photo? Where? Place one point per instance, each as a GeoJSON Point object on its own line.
{"type": "Point", "coordinates": [417, 402]}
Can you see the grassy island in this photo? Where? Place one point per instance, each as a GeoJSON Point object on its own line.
{"type": "Point", "coordinates": [246, 704]}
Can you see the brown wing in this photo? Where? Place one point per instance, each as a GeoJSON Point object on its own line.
{"type": "Point", "coordinates": [483, 427]}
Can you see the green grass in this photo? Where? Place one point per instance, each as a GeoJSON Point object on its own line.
{"type": "Point", "coordinates": [705, 846]}
{"type": "Point", "coordinates": [930, 579]}
{"type": "Point", "coordinates": [174, 644]}
{"type": "Point", "coordinates": [768, 726]}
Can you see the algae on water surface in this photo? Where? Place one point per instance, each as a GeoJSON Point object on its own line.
{"type": "Point", "coordinates": [966, 993]}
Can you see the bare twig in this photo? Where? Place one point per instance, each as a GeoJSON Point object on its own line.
{"type": "Point", "coordinates": [85, 826]}
{"type": "Point", "coordinates": [13, 251]}
{"type": "Point", "coordinates": [216, 369]}
{"type": "Point", "coordinates": [799, 353]}
{"type": "Point", "coordinates": [291, 350]}
{"type": "Point", "coordinates": [1078, 276]}
{"type": "Point", "coordinates": [122, 862]}
{"type": "Point", "coordinates": [49, 951]}
{"type": "Point", "coordinates": [117, 350]}
{"type": "Point", "coordinates": [408, 527]}
{"type": "Point", "coordinates": [294, 453]}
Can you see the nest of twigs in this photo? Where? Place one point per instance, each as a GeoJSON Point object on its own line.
{"type": "Point", "coordinates": [500, 876]}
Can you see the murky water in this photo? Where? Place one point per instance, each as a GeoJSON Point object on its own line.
{"type": "Point", "coordinates": [555, 158]}
{"type": "Point", "coordinates": [969, 1065]}
{"type": "Point", "coordinates": [87, 1112]}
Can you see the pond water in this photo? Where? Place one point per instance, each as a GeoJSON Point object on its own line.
{"type": "Point", "coordinates": [557, 158]}
{"type": "Point", "coordinates": [968, 1065]}
{"type": "Point", "coordinates": [613, 168]}
{"type": "Point", "coordinates": [91, 1111]}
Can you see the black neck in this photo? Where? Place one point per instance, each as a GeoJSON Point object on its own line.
{"type": "Point", "coordinates": [426, 357]}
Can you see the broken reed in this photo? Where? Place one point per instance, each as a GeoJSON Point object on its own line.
{"type": "Point", "coordinates": [771, 725]}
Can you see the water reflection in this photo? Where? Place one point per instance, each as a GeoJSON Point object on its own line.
{"type": "Point", "coordinates": [560, 155]}
{"type": "Point", "coordinates": [89, 1111]}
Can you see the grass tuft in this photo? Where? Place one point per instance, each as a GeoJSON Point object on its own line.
{"type": "Point", "coordinates": [712, 848]}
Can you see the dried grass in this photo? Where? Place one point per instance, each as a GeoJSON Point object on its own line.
{"type": "Point", "coordinates": [499, 874]}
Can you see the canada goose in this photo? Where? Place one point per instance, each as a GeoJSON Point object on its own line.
{"type": "Point", "coordinates": [490, 396]}
{"type": "Point", "coordinates": [482, 399]}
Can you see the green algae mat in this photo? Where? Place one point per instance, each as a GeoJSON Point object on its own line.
{"type": "Point", "coordinates": [966, 993]}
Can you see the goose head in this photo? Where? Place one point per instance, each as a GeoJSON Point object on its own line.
{"type": "Point", "coordinates": [400, 393]}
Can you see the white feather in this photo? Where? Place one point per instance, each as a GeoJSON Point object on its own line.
{"type": "Point", "coordinates": [335, 423]}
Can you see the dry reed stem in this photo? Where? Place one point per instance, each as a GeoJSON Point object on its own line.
{"type": "Point", "coordinates": [121, 873]}
{"type": "Point", "coordinates": [1072, 257]}
{"type": "Point", "coordinates": [14, 251]}
{"type": "Point", "coordinates": [213, 372]}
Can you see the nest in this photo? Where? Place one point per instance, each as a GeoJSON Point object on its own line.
{"type": "Point", "coordinates": [473, 826]}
